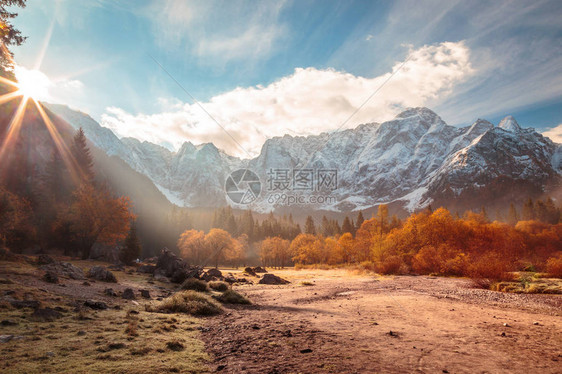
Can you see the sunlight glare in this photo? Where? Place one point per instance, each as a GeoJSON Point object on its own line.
{"type": "Point", "coordinates": [32, 83]}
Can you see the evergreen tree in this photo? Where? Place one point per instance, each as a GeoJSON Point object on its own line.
{"type": "Point", "coordinates": [309, 227]}
{"type": "Point", "coordinates": [83, 157]}
{"type": "Point", "coordinates": [132, 248]}
{"type": "Point", "coordinates": [346, 226]}
{"type": "Point", "coordinates": [512, 216]}
{"type": "Point", "coordinates": [528, 212]}
{"type": "Point", "coordinates": [359, 221]}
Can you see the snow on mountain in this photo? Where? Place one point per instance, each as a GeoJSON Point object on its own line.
{"type": "Point", "coordinates": [413, 159]}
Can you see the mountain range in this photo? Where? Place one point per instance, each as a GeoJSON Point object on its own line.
{"type": "Point", "coordinates": [412, 161]}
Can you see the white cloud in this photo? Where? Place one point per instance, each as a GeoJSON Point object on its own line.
{"type": "Point", "coordinates": [554, 133]}
{"type": "Point", "coordinates": [41, 87]}
{"type": "Point", "coordinates": [234, 31]}
{"type": "Point", "coordinates": [309, 101]}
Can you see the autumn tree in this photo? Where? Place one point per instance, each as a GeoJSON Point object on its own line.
{"type": "Point", "coordinates": [16, 226]}
{"type": "Point", "coordinates": [221, 246]}
{"type": "Point", "coordinates": [192, 246]}
{"type": "Point", "coordinates": [274, 251]}
{"type": "Point", "coordinates": [97, 217]}
{"type": "Point", "coordinates": [308, 249]}
{"type": "Point", "coordinates": [9, 36]}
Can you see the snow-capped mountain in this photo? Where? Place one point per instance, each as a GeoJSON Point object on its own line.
{"type": "Point", "coordinates": [414, 159]}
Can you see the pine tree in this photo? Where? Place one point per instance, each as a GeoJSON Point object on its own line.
{"type": "Point", "coordinates": [346, 226]}
{"type": "Point", "coordinates": [309, 227]}
{"type": "Point", "coordinates": [528, 212]}
{"type": "Point", "coordinates": [359, 221]}
{"type": "Point", "coordinates": [512, 216]}
{"type": "Point", "coordinates": [83, 157]}
{"type": "Point", "coordinates": [132, 248]}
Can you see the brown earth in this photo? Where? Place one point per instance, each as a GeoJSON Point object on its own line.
{"type": "Point", "coordinates": [347, 323]}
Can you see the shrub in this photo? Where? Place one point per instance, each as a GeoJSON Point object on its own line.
{"type": "Point", "coordinates": [391, 265]}
{"type": "Point", "coordinates": [554, 266]}
{"type": "Point", "coordinates": [190, 302]}
{"type": "Point", "coordinates": [218, 286]}
{"type": "Point", "coordinates": [195, 285]}
{"type": "Point", "coordinates": [233, 297]}
{"type": "Point", "coordinates": [489, 269]}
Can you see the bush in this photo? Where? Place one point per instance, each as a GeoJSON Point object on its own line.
{"type": "Point", "coordinates": [189, 302]}
{"type": "Point", "coordinates": [195, 285]}
{"type": "Point", "coordinates": [391, 265]}
{"type": "Point", "coordinates": [218, 286]}
{"type": "Point", "coordinates": [554, 266]}
{"type": "Point", "coordinates": [233, 297]}
{"type": "Point", "coordinates": [488, 270]}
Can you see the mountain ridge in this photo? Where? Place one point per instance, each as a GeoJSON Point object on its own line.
{"type": "Point", "coordinates": [413, 159]}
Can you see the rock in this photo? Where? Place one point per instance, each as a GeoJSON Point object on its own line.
{"type": "Point", "coordinates": [45, 260]}
{"type": "Point", "coordinates": [145, 294]}
{"type": "Point", "coordinates": [506, 325]}
{"type": "Point", "coordinates": [175, 346]}
{"type": "Point", "coordinates": [110, 292]}
{"type": "Point", "coordinates": [161, 278]}
{"type": "Point", "coordinates": [250, 271]}
{"type": "Point", "coordinates": [65, 269]}
{"type": "Point", "coordinates": [6, 338]}
{"type": "Point", "coordinates": [19, 304]}
{"type": "Point", "coordinates": [96, 305]}
{"type": "Point", "coordinates": [116, 267]}
{"type": "Point", "coordinates": [214, 273]}
{"type": "Point", "coordinates": [146, 269]}
{"type": "Point", "coordinates": [86, 284]}
{"type": "Point", "coordinates": [393, 333]}
{"type": "Point", "coordinates": [102, 274]}
{"type": "Point", "coordinates": [51, 277]}
{"type": "Point", "coordinates": [536, 323]}
{"type": "Point", "coordinates": [259, 269]}
{"type": "Point", "coordinates": [46, 314]}
{"type": "Point", "coordinates": [306, 350]}
{"type": "Point", "coordinates": [128, 294]}
{"type": "Point", "coordinates": [170, 265]}
{"type": "Point", "coordinates": [8, 322]}
{"type": "Point", "coordinates": [272, 279]}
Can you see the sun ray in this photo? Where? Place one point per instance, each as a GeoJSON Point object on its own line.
{"type": "Point", "coordinates": [46, 42]}
{"type": "Point", "coordinates": [13, 128]}
{"type": "Point", "coordinates": [9, 96]}
{"type": "Point", "coordinates": [61, 146]}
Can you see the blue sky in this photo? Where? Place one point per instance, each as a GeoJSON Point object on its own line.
{"type": "Point", "coordinates": [299, 67]}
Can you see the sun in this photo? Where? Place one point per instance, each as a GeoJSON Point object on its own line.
{"type": "Point", "coordinates": [32, 83]}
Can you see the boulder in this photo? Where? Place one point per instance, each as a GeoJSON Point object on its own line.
{"type": "Point", "coordinates": [128, 294]}
{"type": "Point", "coordinates": [272, 279]}
{"type": "Point", "coordinates": [65, 269]}
{"type": "Point", "coordinates": [46, 314]}
{"type": "Point", "coordinates": [97, 305]}
{"type": "Point", "coordinates": [44, 259]}
{"type": "Point", "coordinates": [110, 292]}
{"type": "Point", "coordinates": [250, 271]}
{"type": "Point", "coordinates": [102, 274]}
{"type": "Point", "coordinates": [214, 273]}
{"type": "Point", "coordinates": [145, 294]}
{"type": "Point", "coordinates": [146, 269]}
{"type": "Point", "coordinates": [171, 266]}
{"type": "Point", "coordinates": [51, 277]}
{"type": "Point", "coordinates": [259, 269]}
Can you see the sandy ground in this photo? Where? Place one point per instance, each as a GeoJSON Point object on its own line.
{"type": "Point", "coordinates": [348, 323]}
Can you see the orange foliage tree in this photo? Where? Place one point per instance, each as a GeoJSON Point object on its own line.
{"type": "Point", "coordinates": [192, 246]}
{"type": "Point", "coordinates": [97, 217]}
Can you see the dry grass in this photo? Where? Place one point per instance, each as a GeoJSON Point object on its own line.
{"type": "Point", "coordinates": [218, 286]}
{"type": "Point", "coordinates": [233, 297]}
{"type": "Point", "coordinates": [530, 283]}
{"type": "Point", "coordinates": [190, 302]}
{"type": "Point", "coordinates": [195, 285]}
{"type": "Point", "coordinates": [89, 341]}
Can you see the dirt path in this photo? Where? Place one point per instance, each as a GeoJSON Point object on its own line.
{"type": "Point", "coordinates": [362, 324]}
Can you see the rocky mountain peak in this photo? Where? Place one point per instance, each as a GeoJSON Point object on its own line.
{"type": "Point", "coordinates": [509, 124]}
